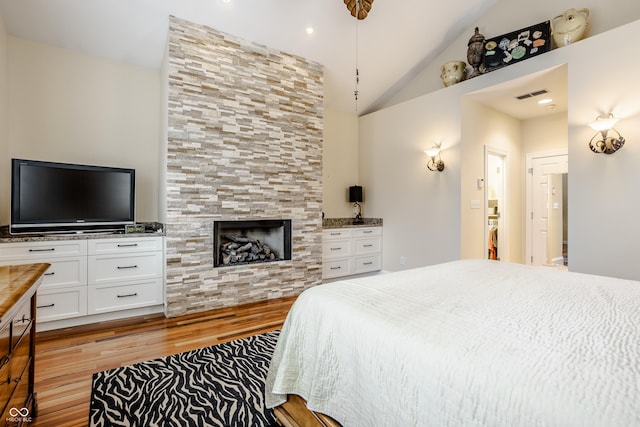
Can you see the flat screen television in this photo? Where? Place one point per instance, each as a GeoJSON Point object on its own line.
{"type": "Point", "coordinates": [54, 197]}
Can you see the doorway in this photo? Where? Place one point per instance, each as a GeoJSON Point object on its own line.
{"type": "Point", "coordinates": [546, 199]}
{"type": "Point", "coordinates": [495, 211]}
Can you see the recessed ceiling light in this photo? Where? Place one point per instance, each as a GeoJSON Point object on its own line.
{"type": "Point", "coordinates": [545, 101]}
{"type": "Point", "coordinates": [309, 30]}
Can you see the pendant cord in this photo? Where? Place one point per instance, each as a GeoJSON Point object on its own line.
{"type": "Point", "coordinates": [355, 92]}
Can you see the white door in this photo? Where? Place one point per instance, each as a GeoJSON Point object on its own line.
{"type": "Point", "coordinates": [541, 168]}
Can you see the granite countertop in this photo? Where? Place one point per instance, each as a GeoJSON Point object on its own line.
{"type": "Point", "coordinates": [153, 229]}
{"type": "Point", "coordinates": [348, 222]}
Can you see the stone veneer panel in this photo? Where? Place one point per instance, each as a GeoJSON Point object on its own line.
{"type": "Point", "coordinates": [244, 143]}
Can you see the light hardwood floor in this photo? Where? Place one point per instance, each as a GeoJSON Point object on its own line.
{"type": "Point", "coordinates": [67, 358]}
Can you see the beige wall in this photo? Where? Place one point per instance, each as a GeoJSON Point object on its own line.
{"type": "Point", "coordinates": [483, 126]}
{"type": "Point", "coordinates": [75, 108]}
{"type": "Point", "coordinates": [340, 163]}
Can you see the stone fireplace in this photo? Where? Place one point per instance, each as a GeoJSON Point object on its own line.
{"type": "Point", "coordinates": [251, 242]}
{"type": "Point", "coordinates": [244, 143]}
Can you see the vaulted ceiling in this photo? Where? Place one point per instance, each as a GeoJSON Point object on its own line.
{"type": "Point", "coordinates": [397, 38]}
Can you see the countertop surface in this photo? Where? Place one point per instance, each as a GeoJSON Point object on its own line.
{"type": "Point", "coordinates": [152, 229]}
{"type": "Point", "coordinates": [17, 282]}
{"type": "Point", "coordinates": [349, 222]}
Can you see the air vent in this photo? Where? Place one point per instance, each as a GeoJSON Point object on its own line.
{"type": "Point", "coordinates": [532, 94]}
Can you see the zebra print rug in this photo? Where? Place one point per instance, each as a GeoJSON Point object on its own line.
{"type": "Point", "coordinates": [221, 385]}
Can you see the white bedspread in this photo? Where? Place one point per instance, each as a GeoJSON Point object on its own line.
{"type": "Point", "coordinates": [466, 343]}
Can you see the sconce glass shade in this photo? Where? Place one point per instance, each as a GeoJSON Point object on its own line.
{"type": "Point", "coordinates": [607, 140]}
{"type": "Point", "coordinates": [604, 122]}
{"type": "Point", "coordinates": [434, 164]}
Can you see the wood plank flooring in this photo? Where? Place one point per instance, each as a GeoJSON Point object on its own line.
{"type": "Point", "coordinates": [67, 358]}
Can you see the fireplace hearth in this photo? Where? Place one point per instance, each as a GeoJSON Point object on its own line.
{"type": "Point", "coordinates": [249, 242]}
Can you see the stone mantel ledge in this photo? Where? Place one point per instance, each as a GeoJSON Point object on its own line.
{"type": "Point", "coordinates": [153, 229]}
{"type": "Point", "coordinates": [348, 222]}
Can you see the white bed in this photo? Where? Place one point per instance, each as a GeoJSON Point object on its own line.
{"type": "Point", "coordinates": [465, 343]}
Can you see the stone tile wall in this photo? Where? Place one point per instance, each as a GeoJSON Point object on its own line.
{"type": "Point", "coordinates": [244, 143]}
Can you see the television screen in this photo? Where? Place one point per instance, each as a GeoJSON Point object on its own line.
{"type": "Point", "coordinates": [49, 196]}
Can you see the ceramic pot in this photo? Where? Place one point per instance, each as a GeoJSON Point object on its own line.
{"type": "Point", "coordinates": [453, 72]}
{"type": "Point", "coordinates": [570, 26]}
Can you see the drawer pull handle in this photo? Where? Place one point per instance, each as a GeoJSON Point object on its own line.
{"type": "Point", "coordinates": [367, 263]}
{"type": "Point", "coordinates": [49, 274]}
{"type": "Point", "coordinates": [124, 267]}
{"type": "Point", "coordinates": [336, 234]}
{"type": "Point", "coordinates": [335, 249]}
{"type": "Point", "coordinates": [127, 245]}
{"type": "Point", "coordinates": [135, 294]}
{"type": "Point", "coordinates": [46, 306]}
{"type": "Point", "coordinates": [42, 250]}
{"type": "Point", "coordinates": [336, 268]}
{"type": "Point", "coordinates": [367, 231]}
{"type": "Point", "coordinates": [367, 246]}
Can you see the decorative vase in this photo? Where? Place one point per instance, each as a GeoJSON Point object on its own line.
{"type": "Point", "coordinates": [475, 50]}
{"type": "Point", "coordinates": [570, 26]}
{"type": "Point", "coordinates": [452, 72]}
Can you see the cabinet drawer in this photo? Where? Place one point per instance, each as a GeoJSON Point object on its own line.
{"type": "Point", "coordinates": [336, 268]}
{"type": "Point", "coordinates": [63, 272]}
{"type": "Point", "coordinates": [336, 249]}
{"type": "Point", "coordinates": [367, 232]}
{"type": "Point", "coordinates": [336, 234]}
{"type": "Point", "coordinates": [104, 269]}
{"type": "Point", "coordinates": [124, 245]}
{"type": "Point", "coordinates": [29, 251]}
{"type": "Point", "coordinates": [367, 246]}
{"type": "Point", "coordinates": [106, 298]}
{"type": "Point", "coordinates": [61, 303]}
{"type": "Point", "coordinates": [365, 264]}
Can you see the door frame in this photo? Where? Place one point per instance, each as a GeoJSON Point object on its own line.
{"type": "Point", "coordinates": [530, 157]}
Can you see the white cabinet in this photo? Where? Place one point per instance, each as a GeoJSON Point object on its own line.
{"type": "Point", "coordinates": [353, 250]}
{"type": "Point", "coordinates": [92, 276]}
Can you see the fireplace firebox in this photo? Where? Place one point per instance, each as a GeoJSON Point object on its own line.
{"type": "Point", "coordinates": [253, 241]}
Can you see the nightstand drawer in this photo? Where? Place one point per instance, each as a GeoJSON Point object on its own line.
{"type": "Point", "coordinates": [336, 249]}
{"type": "Point", "coordinates": [336, 268]}
{"type": "Point", "coordinates": [367, 232]}
{"type": "Point", "coordinates": [366, 246]}
{"type": "Point", "coordinates": [104, 269]}
{"type": "Point", "coordinates": [365, 264]}
{"type": "Point", "coordinates": [336, 234]}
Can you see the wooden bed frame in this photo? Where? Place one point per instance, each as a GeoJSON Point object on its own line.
{"type": "Point", "coordinates": [294, 413]}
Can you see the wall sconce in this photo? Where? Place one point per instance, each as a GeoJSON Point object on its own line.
{"type": "Point", "coordinates": [435, 164]}
{"type": "Point", "coordinates": [355, 197]}
{"type": "Point", "coordinates": [602, 141]}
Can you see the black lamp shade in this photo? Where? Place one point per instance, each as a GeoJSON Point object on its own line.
{"type": "Point", "coordinates": [355, 194]}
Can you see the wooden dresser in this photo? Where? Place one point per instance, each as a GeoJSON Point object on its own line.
{"type": "Point", "coordinates": [18, 285]}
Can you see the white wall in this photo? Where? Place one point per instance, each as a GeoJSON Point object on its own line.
{"type": "Point", "coordinates": [603, 199]}
{"type": "Point", "coordinates": [420, 208]}
{"type": "Point", "coordinates": [5, 172]}
{"type": "Point", "coordinates": [508, 15]}
{"type": "Point", "coordinates": [70, 107]}
{"type": "Point", "coordinates": [339, 163]}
